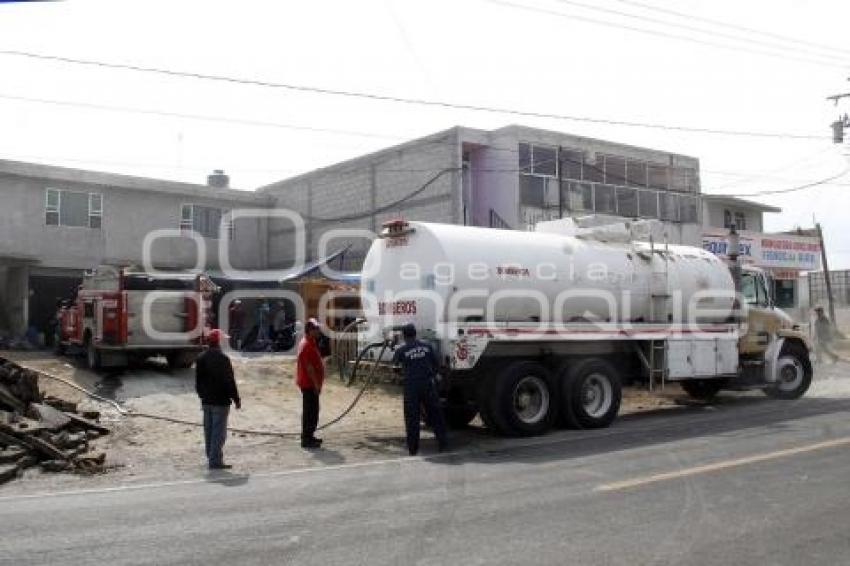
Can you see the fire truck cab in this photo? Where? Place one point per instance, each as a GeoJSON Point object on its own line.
{"type": "Point", "coordinates": [120, 316]}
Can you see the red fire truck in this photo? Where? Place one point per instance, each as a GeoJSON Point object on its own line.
{"type": "Point", "coordinates": [120, 317]}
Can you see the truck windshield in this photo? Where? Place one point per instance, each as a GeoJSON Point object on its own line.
{"type": "Point", "coordinates": [753, 290]}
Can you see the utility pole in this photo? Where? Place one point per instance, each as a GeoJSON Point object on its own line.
{"type": "Point", "coordinates": [843, 122]}
{"type": "Point", "coordinates": [826, 275]}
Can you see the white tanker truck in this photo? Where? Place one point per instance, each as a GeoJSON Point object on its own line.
{"type": "Point", "coordinates": [541, 328]}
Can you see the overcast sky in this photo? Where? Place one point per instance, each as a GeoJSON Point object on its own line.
{"type": "Point", "coordinates": [549, 56]}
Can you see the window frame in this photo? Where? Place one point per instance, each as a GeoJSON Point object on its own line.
{"type": "Point", "coordinates": [56, 208]}
{"type": "Point", "coordinates": [188, 224]}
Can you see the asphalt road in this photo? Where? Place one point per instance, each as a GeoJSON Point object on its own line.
{"type": "Point", "coordinates": [748, 482]}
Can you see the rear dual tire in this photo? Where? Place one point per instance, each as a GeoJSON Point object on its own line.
{"type": "Point", "coordinates": [520, 401]}
{"type": "Point", "coordinates": [590, 393]}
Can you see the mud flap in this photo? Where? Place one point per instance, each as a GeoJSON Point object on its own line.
{"type": "Point", "coordinates": [771, 356]}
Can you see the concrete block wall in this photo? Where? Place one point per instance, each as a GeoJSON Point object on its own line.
{"type": "Point", "coordinates": [363, 193]}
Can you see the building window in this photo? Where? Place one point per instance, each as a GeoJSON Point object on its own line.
{"type": "Point", "coordinates": [688, 209]}
{"type": "Point", "coordinates": [636, 173]}
{"type": "Point", "coordinates": [532, 190]}
{"type": "Point", "coordinates": [669, 204]}
{"type": "Point", "coordinates": [683, 179]}
{"type": "Point", "coordinates": [577, 197]}
{"type": "Point", "coordinates": [95, 210]}
{"type": "Point", "coordinates": [740, 221]}
{"type": "Point", "coordinates": [627, 202]}
{"type": "Point", "coordinates": [605, 201]}
{"type": "Point", "coordinates": [648, 204]}
{"type": "Point", "coordinates": [727, 219]}
{"type": "Point", "coordinates": [73, 208]}
{"type": "Point", "coordinates": [538, 160]}
{"type": "Point", "coordinates": [571, 162]}
{"type": "Point", "coordinates": [615, 170]}
{"type": "Point", "coordinates": [204, 220]}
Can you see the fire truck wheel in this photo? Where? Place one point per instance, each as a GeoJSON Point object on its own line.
{"type": "Point", "coordinates": [523, 401]}
{"type": "Point", "coordinates": [592, 391]}
{"type": "Point", "coordinates": [92, 355]}
{"type": "Point", "coordinates": [702, 389]}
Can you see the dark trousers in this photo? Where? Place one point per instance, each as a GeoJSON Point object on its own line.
{"type": "Point", "coordinates": [215, 432]}
{"type": "Point", "coordinates": [309, 413]}
{"type": "Point", "coordinates": [417, 394]}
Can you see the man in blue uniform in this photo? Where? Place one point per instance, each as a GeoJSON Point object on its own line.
{"type": "Point", "coordinates": [420, 364]}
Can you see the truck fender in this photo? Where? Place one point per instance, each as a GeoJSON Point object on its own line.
{"type": "Point", "coordinates": [771, 356]}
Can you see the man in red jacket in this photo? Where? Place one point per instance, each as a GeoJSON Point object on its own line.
{"type": "Point", "coordinates": [309, 376]}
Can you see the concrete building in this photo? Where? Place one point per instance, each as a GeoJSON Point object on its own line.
{"type": "Point", "coordinates": [786, 256]}
{"type": "Point", "coordinates": [511, 177]}
{"type": "Point", "coordinates": [57, 222]}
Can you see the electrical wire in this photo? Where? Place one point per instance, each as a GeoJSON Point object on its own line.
{"type": "Point", "coordinates": [732, 26]}
{"type": "Point", "coordinates": [792, 189]}
{"type": "Point", "coordinates": [662, 34]}
{"type": "Point", "coordinates": [770, 45]}
{"type": "Point", "coordinates": [399, 99]}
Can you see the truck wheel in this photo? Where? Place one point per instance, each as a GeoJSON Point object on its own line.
{"type": "Point", "coordinates": [522, 400]}
{"type": "Point", "coordinates": [459, 417]}
{"type": "Point", "coordinates": [181, 360]}
{"type": "Point", "coordinates": [702, 389]}
{"type": "Point", "coordinates": [591, 394]}
{"type": "Point", "coordinates": [92, 355]}
{"type": "Point", "coordinates": [794, 375]}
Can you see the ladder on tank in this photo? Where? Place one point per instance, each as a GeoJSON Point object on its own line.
{"type": "Point", "coordinates": [655, 362]}
{"type": "Point", "coordinates": [659, 283]}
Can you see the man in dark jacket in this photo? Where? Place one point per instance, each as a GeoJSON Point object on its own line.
{"type": "Point", "coordinates": [420, 365]}
{"type": "Point", "coordinates": [216, 387]}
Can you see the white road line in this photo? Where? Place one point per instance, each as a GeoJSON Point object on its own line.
{"type": "Point", "coordinates": [722, 465]}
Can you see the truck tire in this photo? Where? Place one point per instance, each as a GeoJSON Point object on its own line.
{"type": "Point", "coordinates": [92, 354]}
{"type": "Point", "coordinates": [590, 394]}
{"type": "Point", "coordinates": [522, 400]}
{"type": "Point", "coordinates": [459, 417]}
{"type": "Point", "coordinates": [794, 375]}
{"type": "Point", "coordinates": [702, 389]}
{"type": "Point", "coordinates": [181, 360]}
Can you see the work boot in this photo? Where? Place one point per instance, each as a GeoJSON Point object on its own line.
{"type": "Point", "coordinates": [310, 443]}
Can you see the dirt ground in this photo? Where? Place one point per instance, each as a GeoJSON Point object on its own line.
{"type": "Point", "coordinates": [147, 450]}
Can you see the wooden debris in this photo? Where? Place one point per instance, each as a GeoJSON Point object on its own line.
{"type": "Point", "coordinates": [11, 454]}
{"type": "Point", "coordinates": [90, 415]}
{"type": "Point", "coordinates": [8, 472]}
{"type": "Point", "coordinates": [44, 431]}
{"type": "Point", "coordinates": [48, 415]}
{"type": "Point", "coordinates": [80, 422]}
{"type": "Point", "coordinates": [61, 404]}
{"type": "Point", "coordinates": [10, 401]}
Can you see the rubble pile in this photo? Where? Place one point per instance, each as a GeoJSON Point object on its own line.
{"type": "Point", "coordinates": [43, 431]}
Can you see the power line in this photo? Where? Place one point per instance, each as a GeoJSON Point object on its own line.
{"type": "Point", "coordinates": [770, 45]}
{"type": "Point", "coordinates": [666, 35]}
{"type": "Point", "coordinates": [793, 189]}
{"type": "Point", "coordinates": [403, 100]}
{"type": "Point", "coordinates": [201, 117]}
{"type": "Point", "coordinates": [733, 26]}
